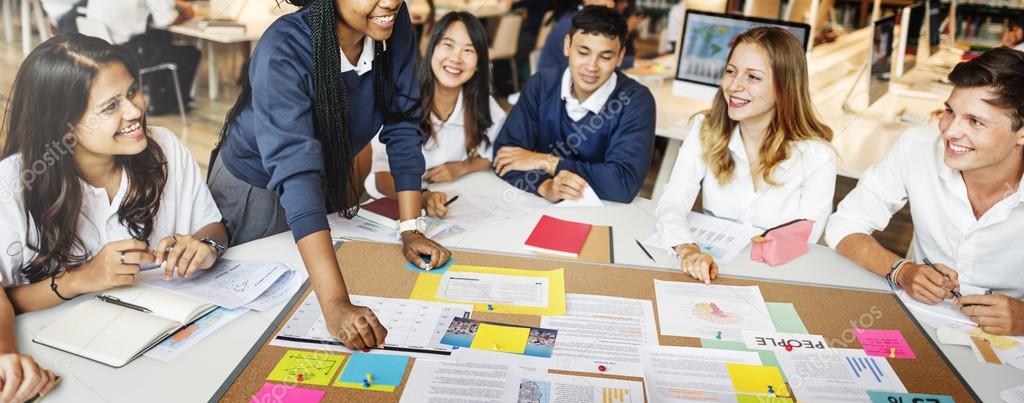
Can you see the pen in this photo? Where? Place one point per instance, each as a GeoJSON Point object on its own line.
{"type": "Point", "coordinates": [452, 200]}
{"type": "Point", "coordinates": [929, 263]}
{"type": "Point", "coordinates": [116, 301]}
{"type": "Point", "coordinates": [645, 250]}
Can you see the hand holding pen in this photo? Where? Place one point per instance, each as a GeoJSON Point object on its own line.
{"type": "Point", "coordinates": [929, 283]}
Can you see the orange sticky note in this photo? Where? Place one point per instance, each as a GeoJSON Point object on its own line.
{"type": "Point", "coordinates": [507, 339]}
{"type": "Point", "coordinates": [756, 379]}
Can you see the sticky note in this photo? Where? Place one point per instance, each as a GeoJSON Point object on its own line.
{"type": "Point", "coordinates": [278, 393]}
{"type": "Point", "coordinates": [785, 318]}
{"type": "Point", "coordinates": [306, 367]}
{"type": "Point", "coordinates": [437, 270]}
{"type": "Point", "coordinates": [767, 357]}
{"type": "Point", "coordinates": [387, 371]}
{"type": "Point", "coordinates": [879, 343]}
{"type": "Point", "coordinates": [756, 379]}
{"type": "Point", "coordinates": [886, 397]}
{"type": "Point", "coordinates": [508, 339]}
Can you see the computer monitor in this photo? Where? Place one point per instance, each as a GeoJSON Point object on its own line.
{"type": "Point", "coordinates": [881, 58]}
{"type": "Point", "coordinates": [706, 40]}
{"type": "Point", "coordinates": [934, 23]}
{"type": "Point", "coordinates": [911, 25]}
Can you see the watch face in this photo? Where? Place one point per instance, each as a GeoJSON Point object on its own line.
{"type": "Point", "coordinates": [421, 225]}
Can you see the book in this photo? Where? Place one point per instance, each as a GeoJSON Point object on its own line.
{"type": "Point", "coordinates": [382, 212]}
{"type": "Point", "coordinates": [122, 323]}
{"type": "Point", "coordinates": [599, 247]}
{"type": "Point", "coordinates": [557, 237]}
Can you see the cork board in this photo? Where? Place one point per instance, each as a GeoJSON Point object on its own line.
{"type": "Point", "coordinates": [377, 270]}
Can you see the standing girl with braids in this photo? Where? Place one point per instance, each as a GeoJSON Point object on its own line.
{"type": "Point", "coordinates": [287, 151]}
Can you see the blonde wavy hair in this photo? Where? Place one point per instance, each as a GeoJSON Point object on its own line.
{"type": "Point", "coordinates": [795, 118]}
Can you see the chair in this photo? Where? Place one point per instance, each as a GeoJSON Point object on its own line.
{"type": "Point", "coordinates": [30, 9]}
{"type": "Point", "coordinates": [95, 28]}
{"type": "Point", "coordinates": [505, 41]}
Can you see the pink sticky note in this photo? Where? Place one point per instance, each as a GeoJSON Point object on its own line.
{"type": "Point", "coordinates": [280, 393]}
{"type": "Point", "coordinates": [880, 343]}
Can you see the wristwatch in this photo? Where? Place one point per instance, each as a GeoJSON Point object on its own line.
{"type": "Point", "coordinates": [217, 247]}
{"type": "Point", "coordinates": [418, 224]}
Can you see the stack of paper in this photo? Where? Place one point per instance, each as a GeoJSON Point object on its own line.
{"type": "Point", "coordinates": [602, 332]}
{"type": "Point", "coordinates": [840, 375]}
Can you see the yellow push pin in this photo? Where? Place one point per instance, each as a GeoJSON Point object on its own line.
{"type": "Point", "coordinates": [369, 377]}
{"type": "Point", "coordinates": [495, 345]}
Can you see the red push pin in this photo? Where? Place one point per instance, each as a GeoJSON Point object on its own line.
{"type": "Point", "coordinates": [298, 378]}
{"type": "Point", "coordinates": [789, 347]}
{"type": "Point", "coordinates": [366, 349]}
{"type": "Point", "coordinates": [601, 368]}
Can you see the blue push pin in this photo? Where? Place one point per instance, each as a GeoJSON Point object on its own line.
{"type": "Point", "coordinates": [490, 307]}
{"type": "Point", "coordinates": [718, 335]}
{"type": "Point", "coordinates": [771, 390]}
{"type": "Point", "coordinates": [366, 383]}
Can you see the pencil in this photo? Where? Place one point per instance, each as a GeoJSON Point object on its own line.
{"type": "Point", "coordinates": [645, 250]}
{"type": "Point", "coordinates": [929, 263]}
{"type": "Point", "coordinates": [452, 200]}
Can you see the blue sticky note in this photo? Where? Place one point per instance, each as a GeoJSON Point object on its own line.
{"type": "Point", "coordinates": [890, 397]}
{"type": "Point", "coordinates": [437, 270]}
{"type": "Point", "coordinates": [387, 370]}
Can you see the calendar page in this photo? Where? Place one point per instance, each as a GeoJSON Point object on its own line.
{"type": "Point", "coordinates": [413, 326]}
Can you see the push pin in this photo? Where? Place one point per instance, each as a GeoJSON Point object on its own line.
{"type": "Point", "coordinates": [495, 346]}
{"type": "Point", "coordinates": [718, 335]}
{"type": "Point", "coordinates": [892, 353]}
{"type": "Point", "coordinates": [369, 377]}
{"type": "Point", "coordinates": [771, 390]}
{"type": "Point", "coordinates": [298, 378]}
{"type": "Point", "coordinates": [366, 383]}
{"type": "Point", "coordinates": [601, 368]}
{"type": "Point", "coordinates": [789, 347]}
{"type": "Point", "coordinates": [490, 307]}
{"type": "Point", "coordinates": [366, 349]}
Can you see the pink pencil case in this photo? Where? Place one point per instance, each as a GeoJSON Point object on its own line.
{"type": "Point", "coordinates": [781, 244]}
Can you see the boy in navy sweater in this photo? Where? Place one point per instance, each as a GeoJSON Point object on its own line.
{"type": "Point", "coordinates": [586, 125]}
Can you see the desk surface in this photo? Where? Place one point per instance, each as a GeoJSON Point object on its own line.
{"type": "Point", "coordinates": [204, 368]}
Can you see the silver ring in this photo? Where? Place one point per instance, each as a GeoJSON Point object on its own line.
{"type": "Point", "coordinates": [122, 258]}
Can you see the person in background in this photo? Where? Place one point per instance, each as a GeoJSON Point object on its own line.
{"type": "Point", "coordinates": [321, 83]}
{"type": "Point", "coordinates": [460, 118]}
{"type": "Point", "coordinates": [1014, 35]}
{"type": "Point", "coordinates": [88, 191]}
{"type": "Point", "coordinates": [965, 181]}
{"type": "Point", "coordinates": [140, 25]}
{"type": "Point", "coordinates": [535, 11]}
{"type": "Point", "coordinates": [761, 156]}
{"type": "Point", "coordinates": [62, 14]}
{"type": "Point", "coordinates": [586, 125]}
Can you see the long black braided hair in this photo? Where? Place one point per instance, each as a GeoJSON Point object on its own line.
{"type": "Point", "coordinates": [331, 104]}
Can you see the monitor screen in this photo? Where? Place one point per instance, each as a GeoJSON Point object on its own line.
{"type": "Point", "coordinates": [912, 36]}
{"type": "Point", "coordinates": [706, 40]}
{"type": "Point", "coordinates": [934, 22]}
{"type": "Point", "coordinates": [881, 58]}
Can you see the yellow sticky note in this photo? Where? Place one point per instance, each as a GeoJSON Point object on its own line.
{"type": "Point", "coordinates": [427, 285]}
{"type": "Point", "coordinates": [306, 367]}
{"type": "Point", "coordinates": [507, 339]}
{"type": "Point", "coordinates": [756, 379]}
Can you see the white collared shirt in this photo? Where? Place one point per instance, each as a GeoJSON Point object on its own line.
{"type": "Point", "coordinates": [1020, 47]}
{"type": "Point", "coordinates": [806, 180]}
{"type": "Point", "coordinates": [448, 144]}
{"type": "Point", "coordinates": [127, 18]}
{"type": "Point", "coordinates": [594, 102]}
{"type": "Point", "coordinates": [365, 62]}
{"type": "Point", "coordinates": [986, 252]}
{"type": "Point", "coordinates": [186, 206]}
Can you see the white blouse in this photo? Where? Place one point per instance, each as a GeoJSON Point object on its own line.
{"type": "Point", "coordinates": [448, 145]}
{"type": "Point", "coordinates": [806, 185]}
{"type": "Point", "coordinates": [186, 206]}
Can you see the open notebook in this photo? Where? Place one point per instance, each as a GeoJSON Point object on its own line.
{"type": "Point", "coordinates": [114, 334]}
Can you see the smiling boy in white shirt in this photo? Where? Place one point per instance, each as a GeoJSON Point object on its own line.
{"type": "Point", "coordinates": [964, 186]}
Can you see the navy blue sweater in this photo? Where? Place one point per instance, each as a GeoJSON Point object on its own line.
{"type": "Point", "coordinates": [552, 55]}
{"type": "Point", "coordinates": [610, 150]}
{"type": "Point", "coordinates": [273, 143]}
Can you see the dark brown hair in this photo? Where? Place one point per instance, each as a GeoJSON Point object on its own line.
{"type": "Point", "coordinates": [476, 93]}
{"type": "Point", "coordinates": [1003, 70]}
{"type": "Point", "coordinates": [49, 98]}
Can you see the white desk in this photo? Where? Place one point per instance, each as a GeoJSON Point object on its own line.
{"type": "Point", "coordinates": [197, 374]}
{"type": "Point", "coordinates": [252, 34]}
